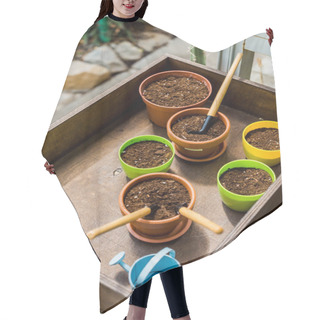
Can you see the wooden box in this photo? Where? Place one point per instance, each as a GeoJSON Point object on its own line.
{"type": "Point", "coordinates": [84, 148]}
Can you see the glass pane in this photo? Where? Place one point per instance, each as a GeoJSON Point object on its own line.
{"type": "Point", "coordinates": [262, 70]}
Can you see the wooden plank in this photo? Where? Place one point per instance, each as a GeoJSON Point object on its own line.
{"type": "Point", "coordinates": [87, 175]}
{"type": "Point", "coordinates": [245, 95]}
{"type": "Point", "coordinates": [96, 114]}
{"type": "Point", "coordinates": [99, 112]}
{"type": "Point", "coordinates": [271, 200]}
{"type": "Point", "coordinates": [246, 64]}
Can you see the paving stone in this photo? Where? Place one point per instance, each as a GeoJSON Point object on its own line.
{"type": "Point", "coordinates": [66, 98]}
{"type": "Point", "coordinates": [178, 48]}
{"type": "Point", "coordinates": [77, 99]}
{"type": "Point", "coordinates": [156, 45]}
{"type": "Point", "coordinates": [85, 76]}
{"type": "Point", "coordinates": [127, 51]}
{"type": "Point", "coordinates": [152, 40]}
{"type": "Point", "coordinates": [175, 46]}
{"type": "Point", "coordinates": [105, 56]}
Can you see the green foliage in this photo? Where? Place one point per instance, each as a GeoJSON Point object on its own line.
{"type": "Point", "coordinates": [109, 30]}
{"type": "Point", "coordinates": [197, 55]}
{"type": "Point", "coordinates": [104, 30]}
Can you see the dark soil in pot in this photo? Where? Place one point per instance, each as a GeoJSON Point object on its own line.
{"type": "Point", "coordinates": [176, 91]}
{"type": "Point", "coordinates": [246, 181]}
{"type": "Point", "coordinates": [168, 194]}
{"type": "Point", "coordinates": [146, 154]}
{"type": "Point", "coordinates": [194, 123]}
{"type": "Point", "coordinates": [264, 138]}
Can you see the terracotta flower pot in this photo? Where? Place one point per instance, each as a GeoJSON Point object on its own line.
{"type": "Point", "coordinates": [197, 149]}
{"type": "Point", "coordinates": [158, 114]}
{"type": "Point", "coordinates": [156, 228]}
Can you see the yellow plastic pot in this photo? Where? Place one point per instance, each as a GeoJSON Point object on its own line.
{"type": "Point", "coordinates": [269, 157]}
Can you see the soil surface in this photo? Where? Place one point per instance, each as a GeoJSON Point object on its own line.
{"type": "Point", "coordinates": [176, 91]}
{"type": "Point", "coordinates": [264, 138]}
{"type": "Point", "coordinates": [146, 154]}
{"type": "Point", "coordinates": [167, 195]}
{"type": "Point", "coordinates": [246, 181]}
{"type": "Point", "coordinates": [194, 123]}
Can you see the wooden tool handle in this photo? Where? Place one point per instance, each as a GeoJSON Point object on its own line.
{"type": "Point", "coordinates": [198, 218]}
{"type": "Point", "coordinates": [119, 222]}
{"type": "Point", "coordinates": [224, 87]}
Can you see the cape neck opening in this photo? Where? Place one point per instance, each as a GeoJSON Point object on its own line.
{"type": "Point", "coordinates": [113, 17]}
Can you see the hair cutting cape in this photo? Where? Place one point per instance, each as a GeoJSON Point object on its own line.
{"type": "Point", "coordinates": [100, 108]}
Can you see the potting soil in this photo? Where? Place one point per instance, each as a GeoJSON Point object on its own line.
{"type": "Point", "coordinates": [246, 181]}
{"type": "Point", "coordinates": [264, 138]}
{"type": "Point", "coordinates": [183, 126]}
{"type": "Point", "coordinates": [176, 91]}
{"type": "Point", "coordinates": [167, 195]}
{"type": "Point", "coordinates": [146, 154]}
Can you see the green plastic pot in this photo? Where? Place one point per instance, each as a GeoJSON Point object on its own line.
{"type": "Point", "coordinates": [133, 172]}
{"type": "Point", "coordinates": [235, 201]}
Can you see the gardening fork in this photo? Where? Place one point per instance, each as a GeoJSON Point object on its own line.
{"type": "Point", "coordinates": [197, 217]}
{"type": "Point", "coordinates": [200, 219]}
{"type": "Point", "coordinates": [120, 222]}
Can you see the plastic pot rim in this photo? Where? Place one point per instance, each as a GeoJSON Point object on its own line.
{"type": "Point", "coordinates": [270, 154]}
{"type": "Point", "coordinates": [240, 197]}
{"type": "Point", "coordinates": [145, 170]}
